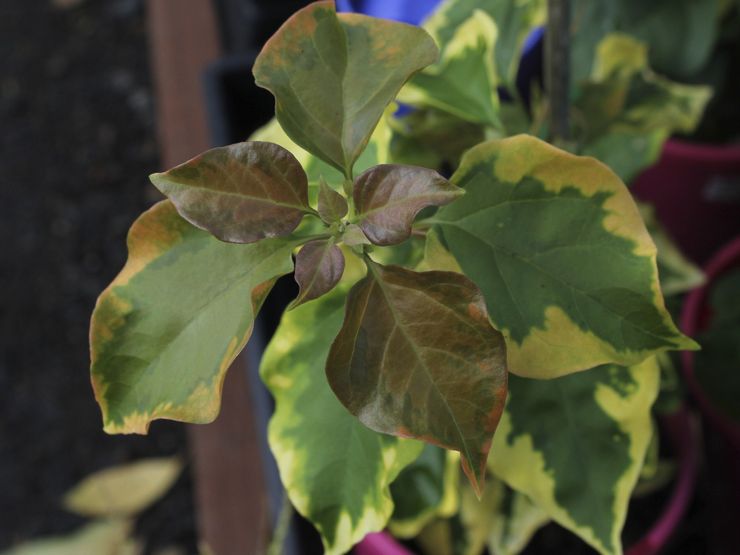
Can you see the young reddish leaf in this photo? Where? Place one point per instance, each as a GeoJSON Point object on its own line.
{"type": "Point", "coordinates": [388, 197]}
{"type": "Point", "coordinates": [417, 357]}
{"type": "Point", "coordinates": [240, 193]}
{"type": "Point", "coordinates": [319, 266]}
{"type": "Point", "coordinates": [332, 206]}
{"type": "Point", "coordinates": [333, 75]}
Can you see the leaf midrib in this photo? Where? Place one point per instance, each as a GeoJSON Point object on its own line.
{"type": "Point", "coordinates": [423, 365]}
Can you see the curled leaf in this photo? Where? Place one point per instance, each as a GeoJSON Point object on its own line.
{"type": "Point", "coordinates": [388, 197]}
{"type": "Point", "coordinates": [240, 193]}
{"type": "Point", "coordinates": [417, 357]}
{"type": "Point", "coordinates": [319, 266]}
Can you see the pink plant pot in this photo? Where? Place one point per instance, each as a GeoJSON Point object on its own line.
{"type": "Point", "coordinates": [682, 430]}
{"type": "Point", "coordinates": [696, 193]}
{"type": "Point", "coordinates": [695, 317]}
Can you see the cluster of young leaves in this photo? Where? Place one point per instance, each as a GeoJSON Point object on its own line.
{"type": "Point", "coordinates": [535, 262]}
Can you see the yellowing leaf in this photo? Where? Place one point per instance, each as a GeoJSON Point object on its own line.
{"type": "Point", "coordinates": [416, 357]}
{"type": "Point", "coordinates": [164, 333]}
{"type": "Point", "coordinates": [333, 76]}
{"type": "Point", "coordinates": [123, 490]}
{"type": "Point", "coordinates": [558, 248]}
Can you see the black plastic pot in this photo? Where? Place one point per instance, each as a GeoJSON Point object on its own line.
{"type": "Point", "coordinates": [236, 108]}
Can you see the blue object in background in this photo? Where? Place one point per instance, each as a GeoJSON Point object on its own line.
{"type": "Point", "coordinates": [415, 11]}
{"type": "Point", "coordinates": [408, 11]}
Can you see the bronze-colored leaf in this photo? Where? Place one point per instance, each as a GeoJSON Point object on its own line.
{"type": "Point", "coordinates": [417, 357]}
{"type": "Point", "coordinates": [332, 206]}
{"type": "Point", "coordinates": [240, 193]}
{"type": "Point", "coordinates": [319, 266]}
{"type": "Point", "coordinates": [388, 197]}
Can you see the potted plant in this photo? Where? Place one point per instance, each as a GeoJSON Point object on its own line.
{"type": "Point", "coordinates": [519, 315]}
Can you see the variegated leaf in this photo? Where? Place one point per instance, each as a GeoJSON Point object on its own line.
{"type": "Point", "coordinates": [333, 76]}
{"type": "Point", "coordinates": [335, 470]}
{"type": "Point", "coordinates": [514, 521]}
{"type": "Point", "coordinates": [417, 357]}
{"type": "Point", "coordinates": [464, 82]}
{"type": "Point", "coordinates": [575, 446]}
{"type": "Point", "coordinates": [427, 488]}
{"type": "Point", "coordinates": [166, 330]}
{"type": "Point", "coordinates": [502, 519]}
{"type": "Point", "coordinates": [557, 245]}
{"type": "Point", "coordinates": [240, 193]}
{"type": "Point", "coordinates": [515, 20]}
{"type": "Point", "coordinates": [388, 197]}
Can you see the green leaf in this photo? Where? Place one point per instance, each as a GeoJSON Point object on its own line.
{"type": "Point", "coordinates": [677, 273]}
{"type": "Point", "coordinates": [627, 152]}
{"type": "Point", "coordinates": [240, 193]}
{"type": "Point", "coordinates": [332, 206]}
{"type": "Point", "coordinates": [718, 363]}
{"type": "Point", "coordinates": [515, 20]}
{"type": "Point", "coordinates": [681, 33]}
{"type": "Point", "coordinates": [124, 490]}
{"type": "Point", "coordinates": [561, 254]}
{"type": "Point", "coordinates": [336, 471]}
{"type": "Point", "coordinates": [425, 489]}
{"type": "Point", "coordinates": [166, 330]}
{"type": "Point", "coordinates": [417, 357]}
{"type": "Point", "coordinates": [624, 96]}
{"type": "Point", "coordinates": [333, 76]}
{"type": "Point", "coordinates": [463, 83]}
{"type": "Point", "coordinates": [388, 197]}
{"type": "Point", "coordinates": [376, 152]}
{"type": "Point", "coordinates": [108, 537]}
{"type": "Point", "coordinates": [432, 138]}
{"type": "Point", "coordinates": [319, 266]}
{"type": "Point", "coordinates": [575, 445]}
{"type": "Point", "coordinates": [514, 520]}
{"type": "Point", "coordinates": [502, 519]}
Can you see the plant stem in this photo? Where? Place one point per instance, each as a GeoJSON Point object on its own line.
{"type": "Point", "coordinates": [557, 67]}
{"type": "Point", "coordinates": [281, 527]}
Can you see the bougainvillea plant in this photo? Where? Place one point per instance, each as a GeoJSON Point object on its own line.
{"type": "Point", "coordinates": [509, 316]}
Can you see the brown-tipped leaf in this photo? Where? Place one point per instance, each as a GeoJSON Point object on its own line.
{"type": "Point", "coordinates": [240, 193]}
{"type": "Point", "coordinates": [319, 266]}
{"type": "Point", "coordinates": [332, 206]}
{"type": "Point", "coordinates": [389, 196]}
{"type": "Point", "coordinates": [417, 357]}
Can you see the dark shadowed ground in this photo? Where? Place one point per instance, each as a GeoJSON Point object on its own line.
{"type": "Point", "coordinates": [77, 142]}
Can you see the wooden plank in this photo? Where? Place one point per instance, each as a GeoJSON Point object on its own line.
{"type": "Point", "coordinates": [230, 498]}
